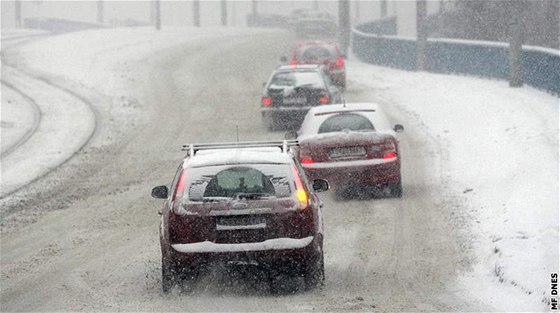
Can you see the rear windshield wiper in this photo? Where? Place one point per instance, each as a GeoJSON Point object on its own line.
{"type": "Point", "coordinates": [215, 199]}
{"type": "Point", "coordinates": [252, 195]}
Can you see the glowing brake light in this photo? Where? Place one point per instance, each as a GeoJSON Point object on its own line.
{"type": "Point", "coordinates": [388, 150]}
{"type": "Point", "coordinates": [180, 186]}
{"type": "Point", "coordinates": [306, 160]}
{"type": "Point", "coordinates": [340, 62]}
{"type": "Point", "coordinates": [301, 194]}
{"type": "Point", "coordinates": [293, 62]}
{"type": "Point", "coordinates": [323, 99]}
{"type": "Point", "coordinates": [266, 101]}
{"type": "Point", "coordinates": [389, 154]}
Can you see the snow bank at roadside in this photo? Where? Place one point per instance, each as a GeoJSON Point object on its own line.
{"type": "Point", "coordinates": [502, 162]}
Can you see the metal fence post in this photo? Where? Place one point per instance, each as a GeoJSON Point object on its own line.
{"type": "Point", "coordinates": [515, 42]}
{"type": "Point", "coordinates": [421, 35]}
{"type": "Point", "coordinates": [196, 13]}
{"type": "Point", "coordinates": [344, 25]}
{"type": "Point", "coordinates": [383, 8]}
{"type": "Point", "coordinates": [224, 13]}
{"type": "Point", "coordinates": [100, 11]}
{"type": "Point", "coordinates": [17, 5]}
{"type": "Point", "coordinates": [157, 15]}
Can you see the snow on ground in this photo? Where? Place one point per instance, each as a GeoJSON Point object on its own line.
{"type": "Point", "coordinates": [107, 49]}
{"type": "Point", "coordinates": [43, 129]}
{"type": "Point", "coordinates": [72, 57]}
{"type": "Point", "coordinates": [501, 147]}
{"type": "Point", "coordinates": [18, 116]}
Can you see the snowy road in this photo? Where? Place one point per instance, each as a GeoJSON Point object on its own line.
{"type": "Point", "coordinates": [85, 236]}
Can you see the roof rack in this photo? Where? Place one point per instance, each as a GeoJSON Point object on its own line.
{"type": "Point", "coordinates": [284, 145]}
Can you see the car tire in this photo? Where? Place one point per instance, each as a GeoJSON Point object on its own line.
{"type": "Point", "coordinates": [396, 189]}
{"type": "Point", "coordinates": [314, 275]}
{"type": "Point", "coordinates": [342, 85]}
{"type": "Point", "coordinates": [341, 193]}
{"type": "Point", "coordinates": [269, 122]}
{"type": "Point", "coordinates": [168, 275]}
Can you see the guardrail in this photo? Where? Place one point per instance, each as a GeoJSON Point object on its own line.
{"type": "Point", "coordinates": [541, 66]}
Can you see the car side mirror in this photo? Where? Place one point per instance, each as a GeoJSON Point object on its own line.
{"type": "Point", "coordinates": [160, 192]}
{"type": "Point", "coordinates": [264, 84]}
{"type": "Point", "coordinates": [284, 59]}
{"type": "Point", "coordinates": [398, 128]}
{"type": "Point", "coordinates": [320, 185]}
{"type": "Point", "coordinates": [292, 134]}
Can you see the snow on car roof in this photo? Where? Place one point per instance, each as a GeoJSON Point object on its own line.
{"type": "Point", "coordinates": [264, 155]}
{"type": "Point", "coordinates": [317, 115]}
{"type": "Point", "coordinates": [299, 66]}
{"type": "Point", "coordinates": [315, 42]}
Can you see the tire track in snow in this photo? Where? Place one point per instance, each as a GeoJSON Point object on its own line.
{"type": "Point", "coordinates": [36, 120]}
{"type": "Point", "coordinates": [53, 164]}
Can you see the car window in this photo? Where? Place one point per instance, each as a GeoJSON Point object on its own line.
{"type": "Point", "coordinates": [340, 122]}
{"type": "Point", "coordinates": [226, 182]}
{"type": "Point", "coordinates": [315, 53]}
{"type": "Point", "coordinates": [296, 79]}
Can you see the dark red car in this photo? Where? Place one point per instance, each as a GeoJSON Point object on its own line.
{"type": "Point", "coordinates": [351, 145]}
{"type": "Point", "coordinates": [321, 52]}
{"type": "Point", "coordinates": [239, 204]}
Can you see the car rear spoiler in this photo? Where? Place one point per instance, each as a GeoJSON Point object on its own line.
{"type": "Point", "coordinates": [284, 145]}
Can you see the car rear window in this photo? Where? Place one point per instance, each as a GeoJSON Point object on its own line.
{"type": "Point", "coordinates": [297, 79]}
{"type": "Point", "coordinates": [315, 53]}
{"type": "Point", "coordinates": [340, 122]}
{"type": "Point", "coordinates": [214, 183]}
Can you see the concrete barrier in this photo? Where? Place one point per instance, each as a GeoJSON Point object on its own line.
{"type": "Point", "coordinates": [541, 66]}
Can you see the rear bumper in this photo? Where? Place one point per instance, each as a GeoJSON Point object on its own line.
{"type": "Point", "coordinates": [272, 251]}
{"type": "Point", "coordinates": [270, 244]}
{"type": "Point", "coordinates": [366, 172]}
{"type": "Point", "coordinates": [286, 110]}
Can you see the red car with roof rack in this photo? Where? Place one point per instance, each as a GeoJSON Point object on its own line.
{"type": "Point", "coordinates": [320, 52]}
{"type": "Point", "coordinates": [241, 203]}
{"type": "Point", "coordinates": [351, 145]}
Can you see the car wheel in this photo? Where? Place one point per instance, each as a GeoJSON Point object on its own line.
{"type": "Point", "coordinates": [188, 278]}
{"type": "Point", "coordinates": [269, 122]}
{"type": "Point", "coordinates": [314, 275]}
{"type": "Point", "coordinates": [396, 189]}
{"type": "Point", "coordinates": [342, 85]}
{"type": "Point", "coordinates": [341, 193]}
{"type": "Point", "coordinates": [281, 279]}
{"type": "Point", "coordinates": [168, 276]}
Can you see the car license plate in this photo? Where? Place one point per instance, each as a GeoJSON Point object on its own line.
{"type": "Point", "coordinates": [240, 222]}
{"type": "Point", "coordinates": [295, 100]}
{"type": "Point", "coordinates": [347, 152]}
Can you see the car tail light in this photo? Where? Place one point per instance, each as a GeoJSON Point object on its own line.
{"type": "Point", "coordinates": [385, 151]}
{"type": "Point", "coordinates": [340, 62]}
{"type": "Point", "coordinates": [266, 101]}
{"type": "Point", "coordinates": [301, 194]}
{"type": "Point", "coordinates": [180, 186]}
{"type": "Point", "coordinates": [306, 160]}
{"type": "Point", "coordinates": [324, 99]}
{"type": "Point", "coordinates": [389, 154]}
{"type": "Point", "coordinates": [293, 62]}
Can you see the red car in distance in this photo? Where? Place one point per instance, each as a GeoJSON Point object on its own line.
{"type": "Point", "coordinates": [352, 146]}
{"type": "Point", "coordinates": [320, 52]}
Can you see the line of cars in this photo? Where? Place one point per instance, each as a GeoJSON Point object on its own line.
{"type": "Point", "coordinates": [315, 75]}
{"type": "Point", "coordinates": [255, 203]}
